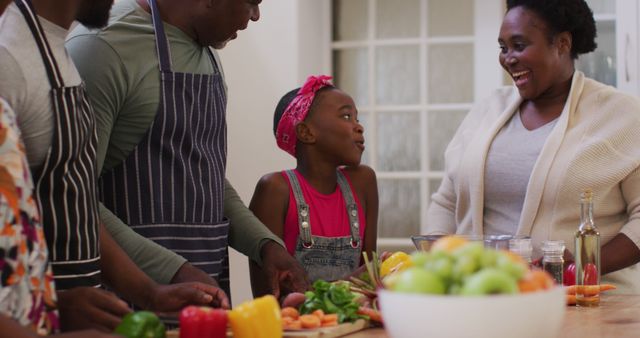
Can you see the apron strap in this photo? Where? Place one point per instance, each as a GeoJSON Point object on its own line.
{"type": "Point", "coordinates": [352, 209]}
{"type": "Point", "coordinates": [162, 44]}
{"type": "Point", "coordinates": [50, 64]}
{"type": "Point", "coordinates": [303, 210]}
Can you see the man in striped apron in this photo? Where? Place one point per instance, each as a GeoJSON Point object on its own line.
{"type": "Point", "coordinates": [83, 256]}
{"type": "Point", "coordinates": [161, 101]}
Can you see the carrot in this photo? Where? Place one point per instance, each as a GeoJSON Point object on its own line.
{"type": "Point", "coordinates": [589, 289]}
{"type": "Point", "coordinates": [292, 324]}
{"type": "Point", "coordinates": [571, 299]}
{"type": "Point", "coordinates": [318, 313]}
{"type": "Point", "coordinates": [310, 321]}
{"type": "Point", "coordinates": [371, 313]}
{"type": "Point", "coordinates": [332, 317]}
{"type": "Point", "coordinates": [290, 312]}
{"type": "Point", "coordinates": [330, 323]}
{"type": "Point", "coordinates": [607, 287]}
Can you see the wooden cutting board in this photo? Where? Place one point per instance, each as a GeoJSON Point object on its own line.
{"type": "Point", "coordinates": [323, 332]}
{"type": "Point", "coordinates": [329, 332]}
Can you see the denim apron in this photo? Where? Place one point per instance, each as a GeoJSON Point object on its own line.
{"type": "Point", "coordinates": [65, 185]}
{"type": "Point", "coordinates": [327, 258]}
{"type": "Point", "coordinates": [170, 189]}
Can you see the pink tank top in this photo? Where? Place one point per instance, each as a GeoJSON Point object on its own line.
{"type": "Point", "coordinates": [327, 213]}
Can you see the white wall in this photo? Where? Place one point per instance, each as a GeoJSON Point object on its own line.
{"type": "Point", "coordinates": [262, 64]}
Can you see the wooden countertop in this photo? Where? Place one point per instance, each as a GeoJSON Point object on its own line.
{"type": "Point", "coordinates": [617, 316]}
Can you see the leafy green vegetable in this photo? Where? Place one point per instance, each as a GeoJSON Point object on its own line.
{"type": "Point", "coordinates": [332, 298]}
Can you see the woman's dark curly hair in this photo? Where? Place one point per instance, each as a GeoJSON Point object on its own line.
{"type": "Point", "coordinates": [573, 16]}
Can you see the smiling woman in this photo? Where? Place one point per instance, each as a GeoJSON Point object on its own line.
{"type": "Point", "coordinates": [539, 143]}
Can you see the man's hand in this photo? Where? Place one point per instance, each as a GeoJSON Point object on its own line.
{"type": "Point", "coordinates": [90, 308]}
{"type": "Point", "coordinates": [189, 273]}
{"type": "Point", "coordinates": [174, 297]}
{"type": "Point", "coordinates": [282, 270]}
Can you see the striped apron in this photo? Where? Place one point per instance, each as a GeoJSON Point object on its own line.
{"type": "Point", "coordinates": [170, 189]}
{"type": "Point", "coordinates": [327, 258]}
{"type": "Point", "coordinates": [65, 185]}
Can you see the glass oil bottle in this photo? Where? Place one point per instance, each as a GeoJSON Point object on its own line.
{"type": "Point", "coordinates": [587, 255]}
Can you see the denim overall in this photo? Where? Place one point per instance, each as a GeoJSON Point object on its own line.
{"type": "Point", "coordinates": [327, 258]}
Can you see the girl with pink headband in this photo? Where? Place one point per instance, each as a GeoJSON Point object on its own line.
{"type": "Point", "coordinates": [326, 209]}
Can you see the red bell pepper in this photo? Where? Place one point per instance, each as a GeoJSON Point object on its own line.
{"type": "Point", "coordinates": [569, 277]}
{"type": "Point", "coordinates": [203, 322]}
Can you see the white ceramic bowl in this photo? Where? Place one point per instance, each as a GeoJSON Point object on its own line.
{"type": "Point", "coordinates": [529, 315]}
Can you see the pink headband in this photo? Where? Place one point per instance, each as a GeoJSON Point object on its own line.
{"type": "Point", "coordinates": [297, 111]}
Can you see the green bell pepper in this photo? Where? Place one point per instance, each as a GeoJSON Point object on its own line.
{"type": "Point", "coordinates": [141, 324]}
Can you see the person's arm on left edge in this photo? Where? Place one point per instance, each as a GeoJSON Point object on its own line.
{"type": "Point", "coordinates": [124, 277]}
{"type": "Point", "coordinates": [249, 236]}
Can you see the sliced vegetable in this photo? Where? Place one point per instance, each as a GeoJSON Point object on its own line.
{"type": "Point", "coordinates": [141, 324]}
{"type": "Point", "coordinates": [290, 312]}
{"type": "Point", "coordinates": [203, 322]}
{"type": "Point", "coordinates": [310, 321]}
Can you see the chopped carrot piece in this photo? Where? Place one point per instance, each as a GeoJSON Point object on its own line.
{"type": "Point", "coordinates": [571, 299]}
{"type": "Point", "coordinates": [332, 317]}
{"type": "Point", "coordinates": [330, 323]}
{"type": "Point", "coordinates": [371, 313]}
{"type": "Point", "coordinates": [294, 324]}
{"type": "Point", "coordinates": [290, 312]}
{"type": "Point", "coordinates": [318, 313]}
{"type": "Point", "coordinates": [310, 321]}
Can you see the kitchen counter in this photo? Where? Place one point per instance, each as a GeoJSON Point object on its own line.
{"type": "Point", "coordinates": [617, 316]}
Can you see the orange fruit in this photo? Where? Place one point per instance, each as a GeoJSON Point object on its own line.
{"type": "Point", "coordinates": [515, 257]}
{"type": "Point", "coordinates": [448, 243]}
{"type": "Point", "coordinates": [535, 280]}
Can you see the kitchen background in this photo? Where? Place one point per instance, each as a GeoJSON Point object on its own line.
{"type": "Point", "coordinates": [414, 68]}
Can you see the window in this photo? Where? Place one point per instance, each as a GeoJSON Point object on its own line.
{"type": "Point", "coordinates": [412, 68]}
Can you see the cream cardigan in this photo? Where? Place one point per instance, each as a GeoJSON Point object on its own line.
{"type": "Point", "coordinates": [595, 144]}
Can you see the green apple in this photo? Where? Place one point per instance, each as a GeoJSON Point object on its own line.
{"type": "Point", "coordinates": [489, 281]}
{"type": "Point", "coordinates": [442, 267]}
{"type": "Point", "coordinates": [419, 258]}
{"type": "Point", "coordinates": [473, 250]}
{"type": "Point", "coordinates": [508, 265]}
{"type": "Point", "coordinates": [418, 280]}
{"type": "Point", "coordinates": [454, 289]}
{"type": "Point", "coordinates": [464, 267]}
{"type": "Point", "coordinates": [489, 258]}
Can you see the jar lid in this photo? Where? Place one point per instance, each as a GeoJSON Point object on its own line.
{"type": "Point", "coordinates": [519, 245]}
{"type": "Point", "coordinates": [551, 246]}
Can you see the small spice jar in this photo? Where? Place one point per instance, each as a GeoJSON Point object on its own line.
{"type": "Point", "coordinates": [553, 259]}
{"type": "Point", "coordinates": [521, 247]}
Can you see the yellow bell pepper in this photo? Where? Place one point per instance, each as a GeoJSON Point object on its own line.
{"type": "Point", "coordinates": [396, 262]}
{"type": "Point", "coordinates": [259, 318]}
